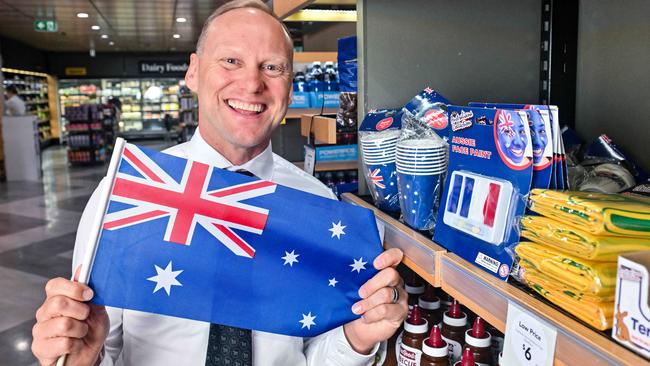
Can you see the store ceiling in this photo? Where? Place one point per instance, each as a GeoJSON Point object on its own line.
{"type": "Point", "coordinates": [128, 25]}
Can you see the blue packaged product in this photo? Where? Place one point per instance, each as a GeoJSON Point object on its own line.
{"type": "Point", "coordinates": [489, 175]}
{"type": "Point", "coordinates": [430, 108]}
{"type": "Point", "coordinates": [381, 119]}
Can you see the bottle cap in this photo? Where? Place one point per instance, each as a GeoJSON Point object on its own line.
{"type": "Point", "coordinates": [415, 317]}
{"type": "Point", "coordinates": [454, 310]}
{"type": "Point", "coordinates": [435, 346]}
{"type": "Point", "coordinates": [478, 328]}
{"type": "Point", "coordinates": [415, 323]}
{"type": "Point", "coordinates": [468, 358]}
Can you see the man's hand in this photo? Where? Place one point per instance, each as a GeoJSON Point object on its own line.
{"type": "Point", "coordinates": [380, 317]}
{"type": "Point", "coordinates": [65, 324]}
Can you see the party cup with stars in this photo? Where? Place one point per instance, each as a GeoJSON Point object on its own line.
{"type": "Point", "coordinates": [293, 260]}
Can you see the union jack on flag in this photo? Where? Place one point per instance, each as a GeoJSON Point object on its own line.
{"type": "Point", "coordinates": [376, 178]}
{"type": "Point", "coordinates": [505, 123]}
{"type": "Point", "coordinates": [185, 239]}
{"type": "Point", "coordinates": [154, 194]}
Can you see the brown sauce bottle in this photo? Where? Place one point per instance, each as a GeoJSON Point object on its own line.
{"type": "Point", "coordinates": [414, 289]}
{"type": "Point", "coordinates": [430, 306]}
{"type": "Point", "coordinates": [454, 325]}
{"type": "Point", "coordinates": [415, 331]}
{"type": "Point", "coordinates": [479, 342]}
{"type": "Point", "coordinates": [435, 351]}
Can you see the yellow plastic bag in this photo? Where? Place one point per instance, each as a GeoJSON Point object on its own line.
{"type": "Point", "coordinates": [578, 242]}
{"type": "Point", "coordinates": [596, 213]}
{"type": "Point", "coordinates": [596, 278]}
{"type": "Point", "coordinates": [597, 314]}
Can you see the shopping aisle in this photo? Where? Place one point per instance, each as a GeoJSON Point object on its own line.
{"type": "Point", "coordinates": [38, 222]}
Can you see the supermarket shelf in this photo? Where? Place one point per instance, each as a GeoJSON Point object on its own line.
{"type": "Point", "coordinates": [298, 112]}
{"type": "Point", "coordinates": [330, 166]}
{"type": "Point", "coordinates": [488, 297]}
{"type": "Point", "coordinates": [420, 254]}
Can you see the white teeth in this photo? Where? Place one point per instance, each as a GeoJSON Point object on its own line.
{"type": "Point", "coordinates": [245, 106]}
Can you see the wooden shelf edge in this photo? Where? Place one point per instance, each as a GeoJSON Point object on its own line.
{"type": "Point", "coordinates": [420, 253]}
{"type": "Point", "coordinates": [296, 113]}
{"type": "Point", "coordinates": [488, 297]}
{"type": "Point", "coordinates": [287, 7]}
{"type": "Point", "coordinates": [330, 165]}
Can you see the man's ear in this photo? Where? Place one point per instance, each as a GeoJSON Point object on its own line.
{"type": "Point", "coordinates": [192, 74]}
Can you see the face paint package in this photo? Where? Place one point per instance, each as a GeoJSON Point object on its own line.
{"type": "Point", "coordinates": [489, 175]}
{"type": "Point", "coordinates": [542, 137]}
{"type": "Point", "coordinates": [378, 135]}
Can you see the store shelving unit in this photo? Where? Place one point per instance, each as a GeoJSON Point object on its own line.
{"type": "Point", "coordinates": [488, 297]}
{"type": "Point", "coordinates": [91, 133]}
{"type": "Point", "coordinates": [34, 88]}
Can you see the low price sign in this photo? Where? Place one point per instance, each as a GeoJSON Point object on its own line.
{"type": "Point", "coordinates": [43, 25]}
{"type": "Point", "coordinates": [529, 341]}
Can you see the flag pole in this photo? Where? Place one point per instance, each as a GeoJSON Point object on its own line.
{"type": "Point", "coordinates": [98, 220]}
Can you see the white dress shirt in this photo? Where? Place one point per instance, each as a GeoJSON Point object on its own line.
{"type": "Point", "coordinates": [15, 106]}
{"type": "Point", "coordinates": [137, 338]}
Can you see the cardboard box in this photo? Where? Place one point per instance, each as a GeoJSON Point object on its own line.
{"type": "Point", "coordinates": [323, 127]}
{"type": "Point", "coordinates": [632, 311]}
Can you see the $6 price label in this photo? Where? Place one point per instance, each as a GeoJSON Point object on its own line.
{"type": "Point", "coordinates": [529, 341]}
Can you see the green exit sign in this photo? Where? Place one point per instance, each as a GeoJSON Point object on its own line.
{"type": "Point", "coordinates": [45, 26]}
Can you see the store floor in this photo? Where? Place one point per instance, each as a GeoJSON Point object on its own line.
{"type": "Point", "coordinates": [38, 221]}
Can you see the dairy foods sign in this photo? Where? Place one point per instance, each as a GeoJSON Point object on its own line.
{"type": "Point", "coordinates": [162, 67]}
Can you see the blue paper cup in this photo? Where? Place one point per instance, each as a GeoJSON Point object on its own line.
{"type": "Point", "coordinates": [382, 183]}
{"type": "Point", "coordinates": [418, 197]}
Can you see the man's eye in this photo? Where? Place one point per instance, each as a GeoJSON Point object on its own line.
{"type": "Point", "coordinates": [274, 70]}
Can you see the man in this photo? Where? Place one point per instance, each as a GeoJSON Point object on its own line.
{"type": "Point", "coordinates": [14, 106]}
{"type": "Point", "coordinates": [242, 72]}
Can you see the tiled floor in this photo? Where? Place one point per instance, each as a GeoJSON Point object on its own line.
{"type": "Point", "coordinates": [38, 221]}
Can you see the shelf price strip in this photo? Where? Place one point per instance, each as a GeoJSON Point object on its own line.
{"type": "Point", "coordinates": [529, 341]}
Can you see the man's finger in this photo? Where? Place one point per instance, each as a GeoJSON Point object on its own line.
{"type": "Point", "coordinates": [62, 306]}
{"type": "Point", "coordinates": [385, 312]}
{"type": "Point", "coordinates": [387, 277]}
{"type": "Point", "coordinates": [380, 297]}
{"type": "Point", "coordinates": [390, 258]}
{"type": "Point", "coordinates": [48, 350]}
{"type": "Point", "coordinates": [61, 327]}
{"type": "Point", "coordinates": [73, 290]}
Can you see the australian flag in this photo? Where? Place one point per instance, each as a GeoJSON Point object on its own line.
{"type": "Point", "coordinates": [186, 239]}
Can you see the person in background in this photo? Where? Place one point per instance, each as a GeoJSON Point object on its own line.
{"type": "Point", "coordinates": [14, 105]}
{"type": "Point", "coordinates": [242, 73]}
{"type": "Point", "coordinates": [167, 123]}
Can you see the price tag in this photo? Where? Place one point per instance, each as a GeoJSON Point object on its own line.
{"type": "Point", "coordinates": [310, 160]}
{"type": "Point", "coordinates": [529, 341]}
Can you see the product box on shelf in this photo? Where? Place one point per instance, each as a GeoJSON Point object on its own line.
{"type": "Point", "coordinates": [329, 153]}
{"type": "Point", "coordinates": [632, 310]}
{"type": "Point", "coordinates": [322, 126]}
{"type": "Point", "coordinates": [488, 181]}
{"type": "Point", "coordinates": [299, 100]}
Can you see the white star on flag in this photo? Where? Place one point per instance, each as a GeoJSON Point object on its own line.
{"type": "Point", "coordinates": [337, 230]}
{"type": "Point", "coordinates": [358, 265]}
{"type": "Point", "coordinates": [333, 282]}
{"type": "Point", "coordinates": [307, 320]}
{"type": "Point", "coordinates": [166, 278]}
{"type": "Point", "coordinates": [290, 258]}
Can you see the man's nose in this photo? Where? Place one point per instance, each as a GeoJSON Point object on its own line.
{"type": "Point", "coordinates": [253, 80]}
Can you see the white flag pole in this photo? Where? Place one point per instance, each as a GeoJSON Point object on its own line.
{"type": "Point", "coordinates": [98, 221]}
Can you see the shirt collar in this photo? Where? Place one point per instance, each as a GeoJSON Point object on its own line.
{"type": "Point", "coordinates": [261, 165]}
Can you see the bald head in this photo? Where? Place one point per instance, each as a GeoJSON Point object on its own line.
{"type": "Point", "coordinates": [208, 26]}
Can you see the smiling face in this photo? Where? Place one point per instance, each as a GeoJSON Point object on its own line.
{"type": "Point", "coordinates": [511, 134]}
{"type": "Point", "coordinates": [243, 80]}
{"type": "Point", "coordinates": [538, 134]}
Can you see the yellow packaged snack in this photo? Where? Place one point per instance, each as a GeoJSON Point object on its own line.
{"type": "Point", "coordinates": [578, 242]}
{"type": "Point", "coordinates": [597, 278]}
{"type": "Point", "coordinates": [596, 213]}
{"type": "Point", "coordinates": [597, 314]}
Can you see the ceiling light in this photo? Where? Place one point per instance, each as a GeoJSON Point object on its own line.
{"type": "Point", "coordinates": [95, 27]}
{"type": "Point", "coordinates": [111, 43]}
{"type": "Point", "coordinates": [82, 15]}
{"type": "Point", "coordinates": [104, 36]}
{"type": "Point", "coordinates": [181, 20]}
{"type": "Point", "coordinates": [176, 35]}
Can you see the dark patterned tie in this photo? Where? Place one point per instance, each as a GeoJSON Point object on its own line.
{"type": "Point", "coordinates": [229, 346]}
